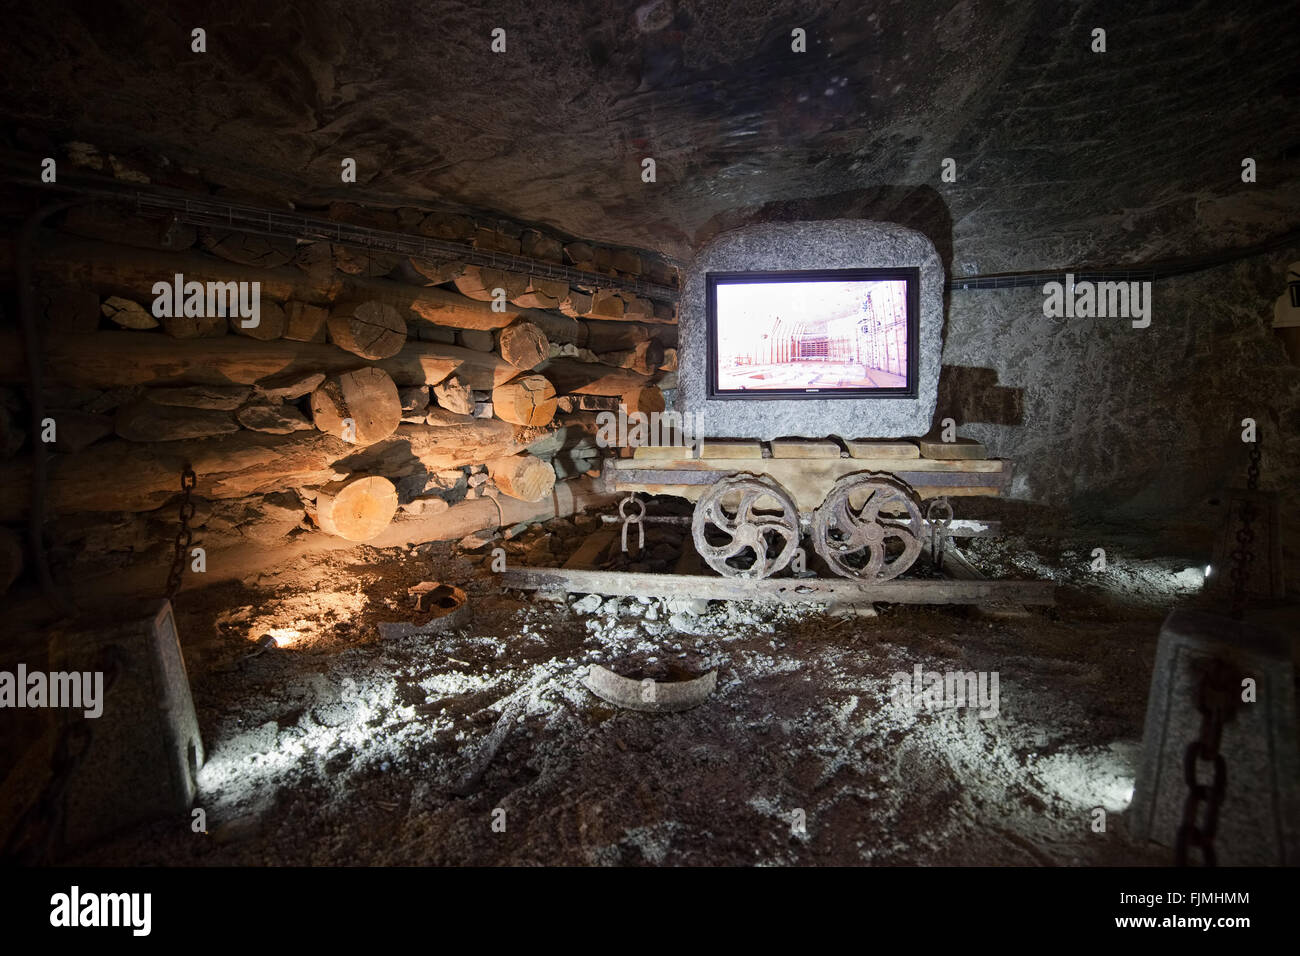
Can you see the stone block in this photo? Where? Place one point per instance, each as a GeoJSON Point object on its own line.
{"type": "Point", "coordinates": [1259, 821]}
{"type": "Point", "coordinates": [834, 244]}
{"type": "Point", "coordinates": [143, 753]}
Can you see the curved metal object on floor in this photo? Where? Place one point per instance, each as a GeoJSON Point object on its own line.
{"type": "Point", "coordinates": [757, 540]}
{"type": "Point", "coordinates": [649, 695]}
{"type": "Point", "coordinates": [853, 538]}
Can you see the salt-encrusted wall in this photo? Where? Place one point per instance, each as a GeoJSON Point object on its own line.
{"type": "Point", "coordinates": [361, 365]}
{"type": "Point", "coordinates": [835, 244]}
{"type": "Point", "coordinates": [1112, 422]}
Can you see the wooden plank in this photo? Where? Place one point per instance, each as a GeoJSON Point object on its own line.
{"type": "Point", "coordinates": [861, 448]}
{"type": "Point", "coordinates": [804, 448]}
{"type": "Point", "coordinates": [119, 358]}
{"type": "Point", "coordinates": [731, 450]}
{"type": "Point", "coordinates": [778, 590]}
{"type": "Point", "coordinates": [663, 453]}
{"type": "Point", "coordinates": [111, 268]}
{"type": "Point", "coordinates": [838, 466]}
{"type": "Point", "coordinates": [958, 567]}
{"type": "Point", "coordinates": [963, 449]}
{"type": "Point", "coordinates": [809, 480]}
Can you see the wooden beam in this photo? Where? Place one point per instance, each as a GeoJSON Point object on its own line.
{"type": "Point", "coordinates": [110, 268]}
{"type": "Point", "coordinates": [116, 475]}
{"type": "Point", "coordinates": [572, 377]}
{"type": "Point", "coordinates": [809, 480]}
{"type": "Point", "coordinates": [778, 590]}
{"type": "Point", "coordinates": [111, 359]}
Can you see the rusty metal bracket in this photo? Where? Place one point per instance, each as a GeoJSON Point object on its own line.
{"type": "Point", "coordinates": [634, 519]}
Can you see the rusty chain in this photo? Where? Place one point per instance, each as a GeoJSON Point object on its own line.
{"type": "Point", "coordinates": [1243, 555]}
{"type": "Point", "coordinates": [184, 533]}
{"type": "Point", "coordinates": [1216, 697]}
{"type": "Point", "coordinates": [1216, 701]}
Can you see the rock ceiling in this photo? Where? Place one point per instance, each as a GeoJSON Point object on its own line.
{"type": "Point", "coordinates": [1062, 155]}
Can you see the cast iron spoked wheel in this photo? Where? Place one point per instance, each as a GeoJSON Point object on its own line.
{"type": "Point", "coordinates": [746, 526]}
{"type": "Point", "coordinates": [868, 528]}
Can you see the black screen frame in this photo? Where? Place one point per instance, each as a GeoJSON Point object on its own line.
{"type": "Point", "coordinates": [911, 275]}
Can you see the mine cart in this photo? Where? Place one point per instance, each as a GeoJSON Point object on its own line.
{"type": "Point", "coordinates": [868, 506]}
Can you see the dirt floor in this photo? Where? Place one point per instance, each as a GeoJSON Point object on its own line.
{"type": "Point", "coordinates": [347, 747]}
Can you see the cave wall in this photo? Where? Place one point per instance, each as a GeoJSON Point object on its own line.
{"type": "Point", "coordinates": [1110, 422]}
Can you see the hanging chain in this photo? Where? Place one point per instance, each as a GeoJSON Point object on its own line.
{"type": "Point", "coordinates": [184, 533]}
{"type": "Point", "coordinates": [1243, 555]}
{"type": "Point", "coordinates": [939, 528]}
{"type": "Point", "coordinates": [1216, 697]}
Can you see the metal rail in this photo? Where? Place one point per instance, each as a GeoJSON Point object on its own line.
{"type": "Point", "coordinates": [241, 217]}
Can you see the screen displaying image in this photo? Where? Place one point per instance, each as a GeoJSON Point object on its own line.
{"type": "Point", "coordinates": [814, 335]}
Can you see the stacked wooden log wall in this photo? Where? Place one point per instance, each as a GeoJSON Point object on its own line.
{"type": "Point", "coordinates": [372, 384]}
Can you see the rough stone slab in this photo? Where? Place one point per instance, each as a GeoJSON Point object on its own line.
{"type": "Point", "coordinates": [860, 448]}
{"type": "Point", "coordinates": [794, 448]}
{"type": "Point", "coordinates": [835, 244]}
{"type": "Point", "coordinates": [963, 449]}
{"type": "Point", "coordinates": [1259, 820]}
{"type": "Point", "coordinates": [145, 752]}
{"type": "Point", "coordinates": [731, 449]}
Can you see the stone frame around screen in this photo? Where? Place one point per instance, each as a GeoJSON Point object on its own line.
{"type": "Point", "coordinates": [797, 246]}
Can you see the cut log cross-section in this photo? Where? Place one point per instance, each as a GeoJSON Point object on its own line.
{"type": "Point", "coordinates": [481, 283]}
{"type": "Point", "coordinates": [371, 329]}
{"type": "Point", "coordinates": [523, 345]}
{"type": "Point", "coordinates": [357, 508]}
{"type": "Point", "coordinates": [525, 477]}
{"type": "Point", "coordinates": [528, 400]}
{"type": "Point", "coordinates": [367, 398]}
{"type": "Point", "coordinates": [271, 322]}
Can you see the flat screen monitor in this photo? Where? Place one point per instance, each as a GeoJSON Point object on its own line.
{"type": "Point", "coordinates": [841, 333]}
